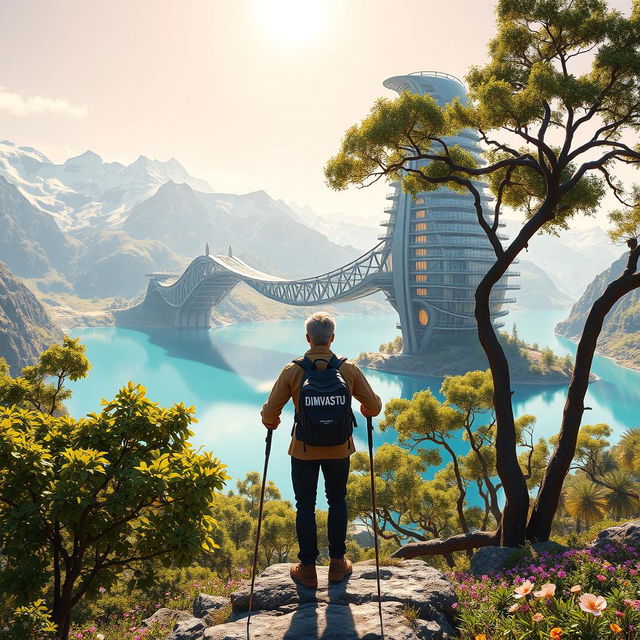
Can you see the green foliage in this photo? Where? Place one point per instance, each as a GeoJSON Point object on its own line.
{"type": "Point", "coordinates": [626, 223]}
{"type": "Point", "coordinates": [118, 612]}
{"type": "Point", "coordinates": [394, 346]}
{"type": "Point", "coordinates": [31, 622]}
{"type": "Point", "coordinates": [81, 501]}
{"type": "Point", "coordinates": [41, 386]}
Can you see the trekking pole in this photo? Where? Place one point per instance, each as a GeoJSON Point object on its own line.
{"type": "Point", "coordinates": [255, 553]}
{"type": "Point", "coordinates": [373, 517]}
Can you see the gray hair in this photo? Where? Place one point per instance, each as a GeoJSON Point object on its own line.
{"type": "Point", "coordinates": [320, 327]}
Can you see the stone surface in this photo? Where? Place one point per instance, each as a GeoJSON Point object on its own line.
{"type": "Point", "coordinates": [412, 582]}
{"type": "Point", "coordinates": [626, 535]}
{"type": "Point", "coordinates": [284, 610]}
{"type": "Point", "coordinates": [488, 559]}
{"type": "Point", "coordinates": [205, 604]}
{"type": "Point", "coordinates": [188, 629]}
{"type": "Point", "coordinates": [333, 621]}
{"type": "Point", "coordinates": [164, 616]}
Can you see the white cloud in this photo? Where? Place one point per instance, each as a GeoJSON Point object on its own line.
{"type": "Point", "coordinates": [15, 104]}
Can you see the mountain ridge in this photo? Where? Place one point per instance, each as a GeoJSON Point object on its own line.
{"type": "Point", "coordinates": [620, 335]}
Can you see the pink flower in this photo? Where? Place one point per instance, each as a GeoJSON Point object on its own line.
{"type": "Point", "coordinates": [592, 604]}
{"type": "Point", "coordinates": [454, 605]}
{"type": "Point", "coordinates": [537, 617]}
{"type": "Point", "coordinates": [524, 589]}
{"type": "Point", "coordinates": [576, 588]}
{"type": "Point", "coordinates": [513, 608]}
{"type": "Point", "coordinates": [601, 578]}
{"type": "Point", "coordinates": [547, 590]}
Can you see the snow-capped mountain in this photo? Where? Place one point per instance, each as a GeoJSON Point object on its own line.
{"type": "Point", "coordinates": [85, 191]}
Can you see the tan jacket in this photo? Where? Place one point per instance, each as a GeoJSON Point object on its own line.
{"type": "Point", "coordinates": [287, 386]}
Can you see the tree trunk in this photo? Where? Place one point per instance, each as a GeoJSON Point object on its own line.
{"type": "Point", "coordinates": [62, 619]}
{"type": "Point", "coordinates": [437, 547]}
{"type": "Point", "coordinates": [516, 507]}
{"type": "Point", "coordinates": [543, 513]}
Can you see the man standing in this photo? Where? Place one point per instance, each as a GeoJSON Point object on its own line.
{"type": "Point", "coordinates": [307, 459]}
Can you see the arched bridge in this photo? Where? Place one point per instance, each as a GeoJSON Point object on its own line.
{"type": "Point", "coordinates": [188, 301]}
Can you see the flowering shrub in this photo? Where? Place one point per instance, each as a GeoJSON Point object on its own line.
{"type": "Point", "coordinates": [578, 594]}
{"type": "Point", "coordinates": [118, 614]}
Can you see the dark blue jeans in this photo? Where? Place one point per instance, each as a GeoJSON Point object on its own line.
{"type": "Point", "coordinates": [304, 474]}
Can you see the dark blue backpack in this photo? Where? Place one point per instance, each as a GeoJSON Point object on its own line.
{"type": "Point", "coordinates": [324, 416]}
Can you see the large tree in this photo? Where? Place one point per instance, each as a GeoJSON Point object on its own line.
{"type": "Point", "coordinates": [555, 106]}
{"type": "Point", "coordinates": [84, 500]}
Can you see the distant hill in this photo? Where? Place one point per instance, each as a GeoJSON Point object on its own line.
{"type": "Point", "coordinates": [262, 231]}
{"type": "Point", "coordinates": [112, 263]}
{"type": "Point", "coordinates": [538, 292]}
{"type": "Point", "coordinates": [25, 327]}
{"type": "Point", "coordinates": [620, 337]}
{"type": "Point", "coordinates": [30, 241]}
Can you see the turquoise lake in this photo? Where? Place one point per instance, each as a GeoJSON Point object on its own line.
{"type": "Point", "coordinates": [227, 372]}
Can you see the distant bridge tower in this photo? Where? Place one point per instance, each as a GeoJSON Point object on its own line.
{"type": "Point", "coordinates": [439, 252]}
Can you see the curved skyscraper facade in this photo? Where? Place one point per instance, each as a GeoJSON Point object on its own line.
{"type": "Point", "coordinates": [439, 253]}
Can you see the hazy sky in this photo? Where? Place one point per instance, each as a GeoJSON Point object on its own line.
{"type": "Point", "coordinates": [248, 94]}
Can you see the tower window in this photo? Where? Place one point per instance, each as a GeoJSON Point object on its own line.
{"type": "Point", "coordinates": [421, 214]}
{"type": "Point", "coordinates": [420, 277]}
{"type": "Point", "coordinates": [421, 291]}
{"type": "Point", "coordinates": [423, 317]}
{"type": "Point", "coordinates": [420, 226]}
{"type": "Point", "coordinates": [420, 265]}
{"type": "Point", "coordinates": [421, 239]}
{"type": "Point", "coordinates": [420, 253]}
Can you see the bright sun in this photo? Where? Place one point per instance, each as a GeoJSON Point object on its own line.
{"type": "Point", "coordinates": [293, 22]}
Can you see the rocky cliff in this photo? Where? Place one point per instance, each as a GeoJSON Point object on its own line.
{"type": "Point", "coordinates": [25, 327]}
{"type": "Point", "coordinates": [620, 337]}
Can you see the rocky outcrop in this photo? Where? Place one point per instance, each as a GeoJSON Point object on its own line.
{"type": "Point", "coordinates": [622, 536]}
{"type": "Point", "coordinates": [165, 616]}
{"type": "Point", "coordinates": [204, 605]}
{"type": "Point", "coordinates": [188, 629]}
{"type": "Point", "coordinates": [486, 560]}
{"type": "Point", "coordinates": [417, 602]}
{"type": "Point", "coordinates": [620, 336]}
{"type": "Point", "coordinates": [25, 327]}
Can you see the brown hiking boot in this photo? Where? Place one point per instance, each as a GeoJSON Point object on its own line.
{"type": "Point", "coordinates": [339, 568]}
{"type": "Point", "coordinates": [306, 576]}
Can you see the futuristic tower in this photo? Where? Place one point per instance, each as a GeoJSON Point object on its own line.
{"type": "Point", "coordinates": [439, 253]}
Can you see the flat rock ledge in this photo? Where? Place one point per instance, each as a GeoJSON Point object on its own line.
{"type": "Point", "coordinates": [283, 610]}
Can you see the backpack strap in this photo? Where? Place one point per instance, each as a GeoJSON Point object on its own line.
{"type": "Point", "coordinates": [336, 362]}
{"type": "Point", "coordinates": [304, 363]}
